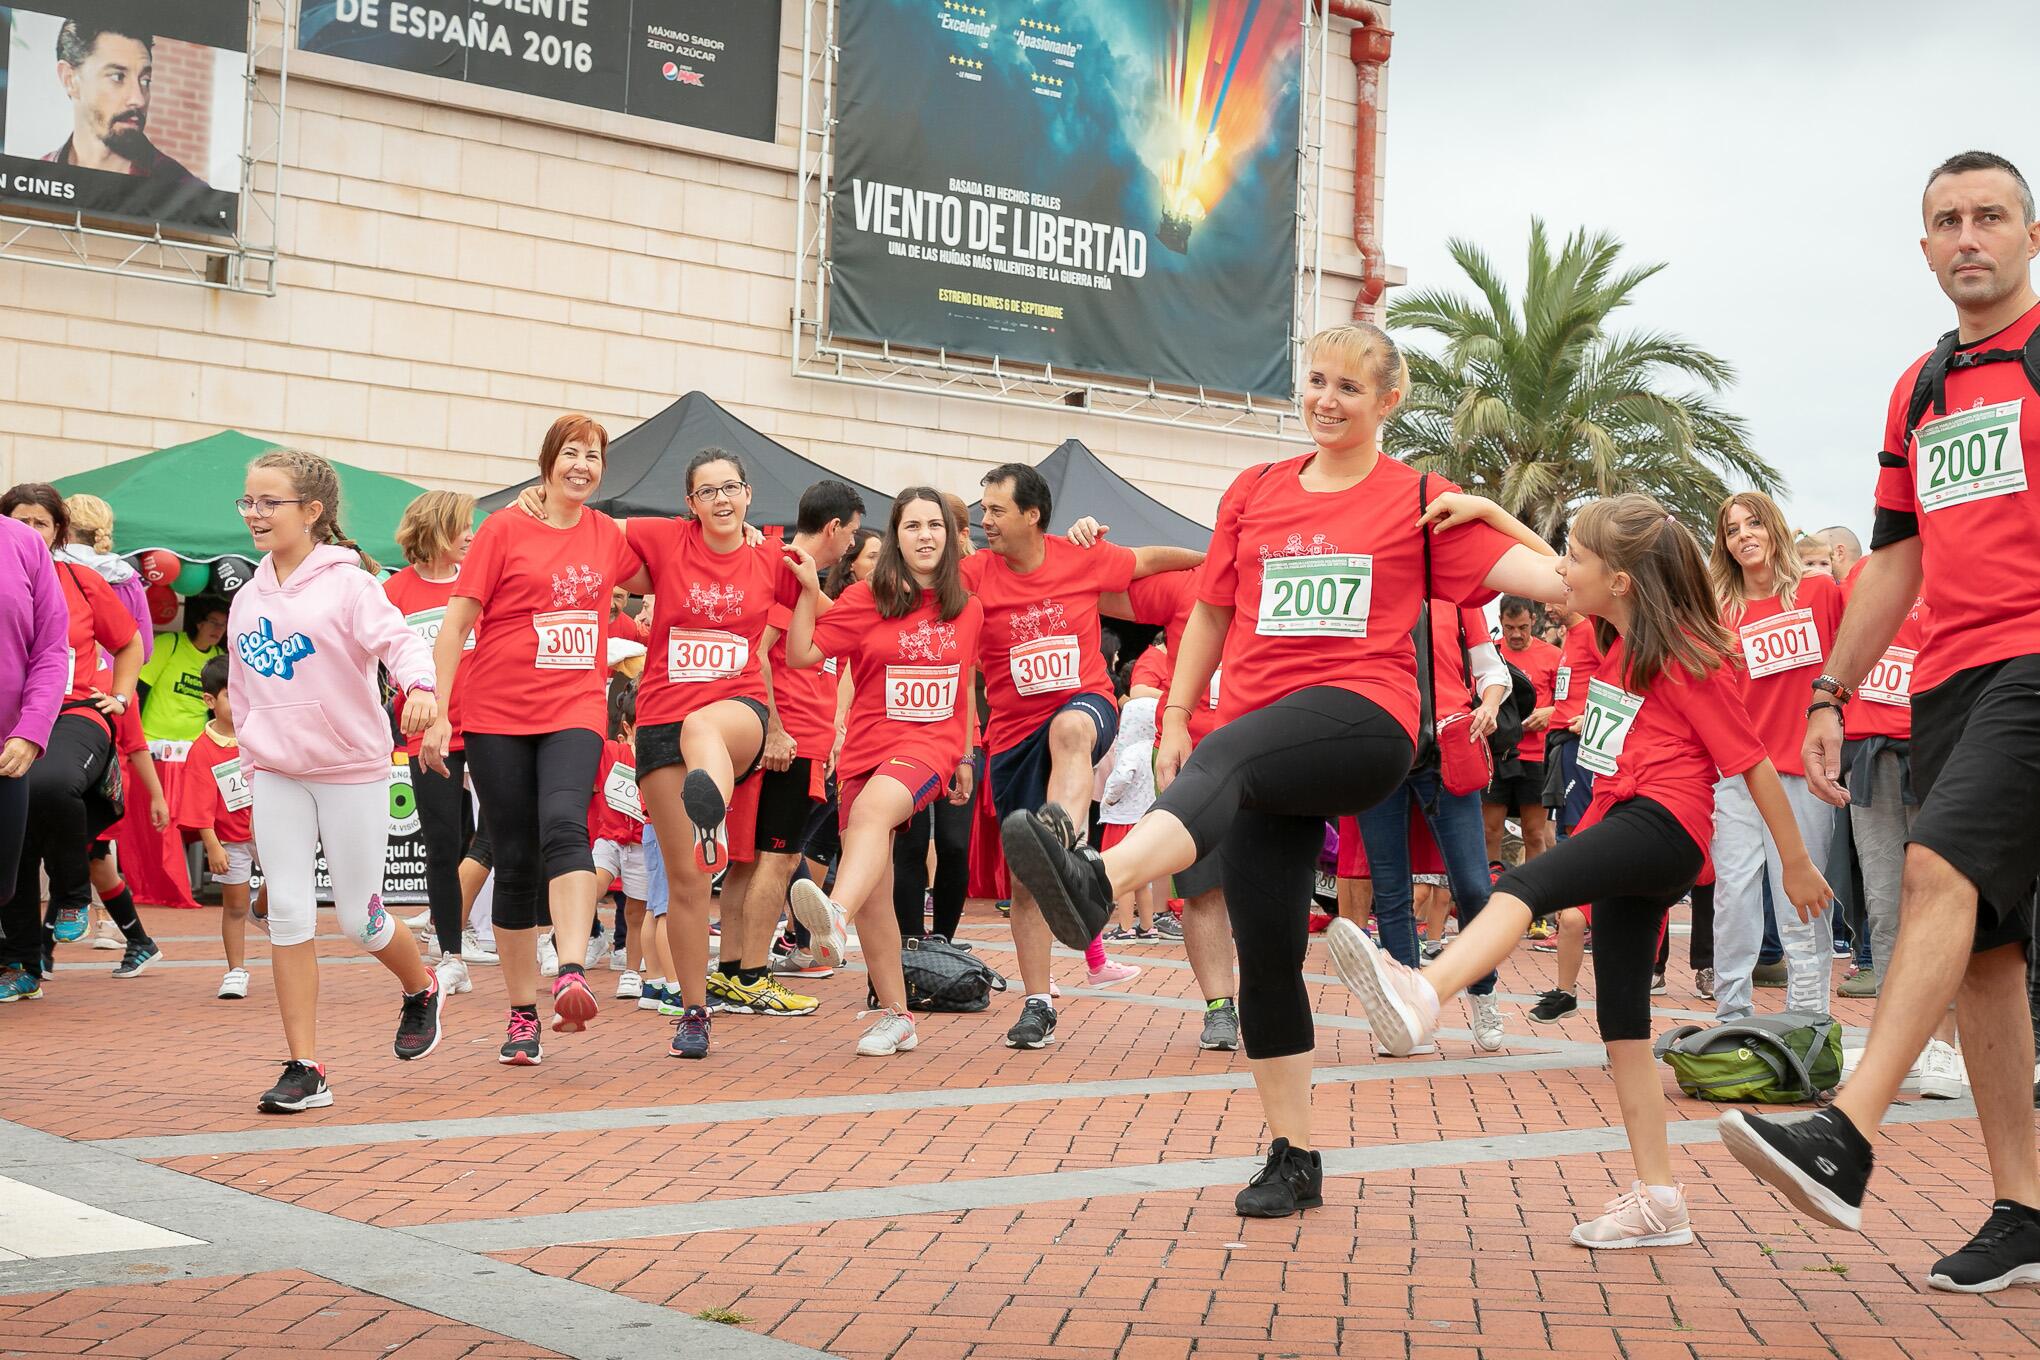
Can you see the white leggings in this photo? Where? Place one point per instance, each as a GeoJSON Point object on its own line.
{"type": "Point", "coordinates": [293, 817]}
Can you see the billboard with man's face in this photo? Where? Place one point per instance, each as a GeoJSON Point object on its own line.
{"type": "Point", "coordinates": [126, 112]}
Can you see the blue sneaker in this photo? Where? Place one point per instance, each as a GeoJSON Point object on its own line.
{"type": "Point", "coordinates": [70, 925]}
{"type": "Point", "coordinates": [651, 997]}
{"type": "Point", "coordinates": [140, 954]}
{"type": "Point", "coordinates": [19, 985]}
{"type": "Point", "coordinates": [690, 1034]}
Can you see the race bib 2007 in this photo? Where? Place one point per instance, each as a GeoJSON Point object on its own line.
{"type": "Point", "coordinates": [233, 782]}
{"type": "Point", "coordinates": [567, 639]}
{"type": "Point", "coordinates": [1323, 596]}
{"type": "Point", "coordinates": [1781, 643]}
{"type": "Point", "coordinates": [920, 694]}
{"type": "Point", "coordinates": [620, 791]}
{"type": "Point", "coordinates": [1890, 680]}
{"type": "Point", "coordinates": [1969, 456]}
{"type": "Point", "coordinates": [1604, 729]}
{"type": "Point", "coordinates": [426, 624]}
{"type": "Point", "coordinates": [1045, 665]}
{"type": "Point", "coordinates": [697, 654]}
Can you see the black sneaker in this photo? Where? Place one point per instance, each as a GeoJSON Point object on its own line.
{"type": "Point", "coordinates": [1064, 827]}
{"type": "Point", "coordinates": [140, 954]}
{"type": "Point", "coordinates": [1035, 1028]}
{"type": "Point", "coordinates": [1554, 1006]}
{"type": "Point", "coordinates": [301, 1087]}
{"type": "Point", "coordinates": [1293, 1179]}
{"type": "Point", "coordinates": [1819, 1161]}
{"type": "Point", "coordinates": [690, 1033]}
{"type": "Point", "coordinates": [418, 1025]}
{"type": "Point", "coordinates": [1070, 886]}
{"type": "Point", "coordinates": [2005, 1251]}
{"type": "Point", "coordinates": [521, 1047]}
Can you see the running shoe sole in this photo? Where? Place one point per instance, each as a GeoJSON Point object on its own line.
{"type": "Point", "coordinates": [811, 909]}
{"type": "Point", "coordinates": [521, 1059]}
{"type": "Point", "coordinates": [573, 1006]}
{"type": "Point", "coordinates": [438, 1011]}
{"type": "Point", "coordinates": [140, 968]}
{"type": "Point", "coordinates": [2025, 1274]}
{"type": "Point", "coordinates": [759, 1006]}
{"type": "Point", "coordinates": [1807, 1195]}
{"type": "Point", "coordinates": [229, 994]}
{"type": "Point", "coordinates": [1357, 960]}
{"type": "Point", "coordinates": [1030, 853]}
{"type": "Point", "coordinates": [1553, 1019]}
{"type": "Point", "coordinates": [706, 808]}
{"type": "Point", "coordinates": [1681, 1238]}
{"type": "Point", "coordinates": [317, 1100]}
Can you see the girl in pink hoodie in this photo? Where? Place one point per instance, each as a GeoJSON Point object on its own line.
{"type": "Point", "coordinates": [305, 637]}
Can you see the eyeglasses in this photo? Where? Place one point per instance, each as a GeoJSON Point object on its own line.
{"type": "Point", "coordinates": [251, 508]}
{"type": "Point", "coordinates": [728, 491]}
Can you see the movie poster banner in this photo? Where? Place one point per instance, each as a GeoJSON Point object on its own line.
{"type": "Point", "coordinates": [711, 64]}
{"type": "Point", "coordinates": [126, 112]}
{"type": "Point", "coordinates": [1106, 185]}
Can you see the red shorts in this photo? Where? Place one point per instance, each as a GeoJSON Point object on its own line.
{"type": "Point", "coordinates": [1112, 833]}
{"type": "Point", "coordinates": [921, 779]}
{"type": "Point", "coordinates": [1425, 857]}
{"type": "Point", "coordinates": [740, 823]}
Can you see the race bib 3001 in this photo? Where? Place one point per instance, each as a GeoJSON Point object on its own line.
{"type": "Point", "coordinates": [1781, 643]}
{"type": "Point", "coordinates": [920, 694]}
{"type": "Point", "coordinates": [1046, 665]}
{"type": "Point", "coordinates": [697, 654]}
{"type": "Point", "coordinates": [567, 639]}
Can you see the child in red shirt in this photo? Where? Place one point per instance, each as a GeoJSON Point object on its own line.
{"type": "Point", "coordinates": [616, 827]}
{"type": "Point", "coordinates": [213, 803]}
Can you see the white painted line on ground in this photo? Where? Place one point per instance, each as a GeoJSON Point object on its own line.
{"type": "Point", "coordinates": [36, 1223]}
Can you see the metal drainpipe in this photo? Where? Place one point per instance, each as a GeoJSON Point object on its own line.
{"type": "Point", "coordinates": [1371, 44]}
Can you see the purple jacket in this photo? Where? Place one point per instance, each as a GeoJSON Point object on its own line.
{"type": "Point", "coordinates": [35, 628]}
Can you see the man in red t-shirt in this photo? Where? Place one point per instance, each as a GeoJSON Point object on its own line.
{"type": "Point", "coordinates": [1958, 506]}
{"type": "Point", "coordinates": [1845, 553]}
{"type": "Point", "coordinates": [1052, 713]}
{"type": "Point", "coordinates": [1523, 795]}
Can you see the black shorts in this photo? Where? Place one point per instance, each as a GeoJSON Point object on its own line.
{"type": "Point", "coordinates": [1019, 774]}
{"type": "Point", "coordinates": [658, 744]}
{"type": "Point", "coordinates": [784, 807]}
{"type": "Point", "coordinates": [1525, 790]}
{"type": "Point", "coordinates": [821, 839]}
{"type": "Point", "coordinates": [1976, 771]}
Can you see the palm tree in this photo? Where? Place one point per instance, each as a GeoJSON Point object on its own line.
{"type": "Point", "coordinates": [1543, 407]}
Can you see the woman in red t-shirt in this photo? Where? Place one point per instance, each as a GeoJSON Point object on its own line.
{"type": "Point", "coordinates": [1782, 620]}
{"type": "Point", "coordinates": [65, 813]}
{"type": "Point", "coordinates": [434, 534]}
{"type": "Point", "coordinates": [535, 709]}
{"type": "Point", "coordinates": [1311, 588]}
{"type": "Point", "coordinates": [907, 635]}
{"type": "Point", "coordinates": [1663, 721]}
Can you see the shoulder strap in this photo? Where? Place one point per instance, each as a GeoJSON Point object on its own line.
{"type": "Point", "coordinates": [1932, 382]}
{"type": "Point", "coordinates": [1427, 703]}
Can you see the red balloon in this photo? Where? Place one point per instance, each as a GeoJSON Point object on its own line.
{"type": "Point", "coordinates": [162, 605]}
{"type": "Point", "coordinates": [159, 566]}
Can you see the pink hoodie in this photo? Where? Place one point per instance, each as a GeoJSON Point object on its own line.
{"type": "Point", "coordinates": [303, 669]}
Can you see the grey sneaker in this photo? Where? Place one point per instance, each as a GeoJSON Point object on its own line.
{"type": "Point", "coordinates": [1863, 984]}
{"type": "Point", "coordinates": [1487, 1022]}
{"type": "Point", "coordinates": [1221, 1027]}
{"type": "Point", "coordinates": [1169, 926]}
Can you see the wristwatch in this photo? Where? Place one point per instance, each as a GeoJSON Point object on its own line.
{"type": "Point", "coordinates": [1830, 685]}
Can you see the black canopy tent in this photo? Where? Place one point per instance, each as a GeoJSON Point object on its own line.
{"type": "Point", "coordinates": [1081, 483]}
{"type": "Point", "coordinates": [647, 467]}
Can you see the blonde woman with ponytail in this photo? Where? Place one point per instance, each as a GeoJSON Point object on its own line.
{"type": "Point", "coordinates": [307, 633]}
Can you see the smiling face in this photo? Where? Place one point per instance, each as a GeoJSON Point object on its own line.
{"type": "Point", "coordinates": [1590, 587]}
{"type": "Point", "coordinates": [1744, 535]}
{"type": "Point", "coordinates": [1341, 402]}
{"type": "Point", "coordinates": [38, 519]}
{"type": "Point", "coordinates": [274, 522]}
{"type": "Point", "coordinates": [717, 492]}
{"type": "Point", "coordinates": [1978, 242]}
{"type": "Point", "coordinates": [1008, 528]}
{"type": "Point", "coordinates": [576, 473]}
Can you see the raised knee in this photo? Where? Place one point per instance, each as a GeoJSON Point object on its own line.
{"type": "Point", "coordinates": [1072, 727]}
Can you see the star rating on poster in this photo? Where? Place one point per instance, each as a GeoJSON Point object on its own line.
{"type": "Point", "coordinates": [967, 63]}
{"type": "Point", "coordinates": [959, 7]}
{"type": "Point", "coordinates": [1040, 79]}
{"type": "Point", "coordinates": [1038, 26]}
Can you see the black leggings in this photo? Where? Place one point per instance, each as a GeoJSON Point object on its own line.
{"type": "Point", "coordinates": [534, 791]}
{"type": "Point", "coordinates": [1632, 865]}
{"type": "Point", "coordinates": [446, 825]}
{"type": "Point", "coordinates": [19, 949]}
{"type": "Point", "coordinates": [951, 829]}
{"type": "Point", "coordinates": [58, 836]}
{"type": "Point", "coordinates": [1258, 791]}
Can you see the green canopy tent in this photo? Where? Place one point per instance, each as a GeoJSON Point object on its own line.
{"type": "Point", "coordinates": [181, 499]}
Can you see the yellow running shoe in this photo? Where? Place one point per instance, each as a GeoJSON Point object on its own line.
{"type": "Point", "coordinates": [767, 997]}
{"type": "Point", "coordinates": [725, 993]}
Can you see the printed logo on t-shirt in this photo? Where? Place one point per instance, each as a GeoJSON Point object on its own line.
{"type": "Point", "coordinates": [1296, 546]}
{"type": "Point", "coordinates": [262, 652]}
{"type": "Point", "coordinates": [578, 587]}
{"type": "Point", "coordinates": [1038, 621]}
{"type": "Point", "coordinates": [715, 603]}
{"type": "Point", "coordinates": [930, 641]}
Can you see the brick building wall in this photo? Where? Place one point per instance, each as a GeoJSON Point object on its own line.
{"type": "Point", "coordinates": [460, 265]}
{"type": "Point", "coordinates": [180, 105]}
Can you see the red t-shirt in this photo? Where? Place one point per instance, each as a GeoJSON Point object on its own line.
{"type": "Point", "coordinates": [805, 698]}
{"type": "Point", "coordinates": [624, 628]}
{"type": "Point", "coordinates": [1577, 666]}
{"type": "Point", "coordinates": [1783, 650]}
{"type": "Point", "coordinates": [709, 613]}
{"type": "Point", "coordinates": [538, 663]}
{"type": "Point", "coordinates": [912, 676]}
{"type": "Point", "coordinates": [1670, 744]}
{"type": "Point", "coordinates": [617, 810]}
{"type": "Point", "coordinates": [97, 620]}
{"type": "Point", "coordinates": [1039, 645]}
{"type": "Point", "coordinates": [1451, 675]}
{"type": "Point", "coordinates": [214, 778]}
{"type": "Point", "coordinates": [1971, 478]}
{"type": "Point", "coordinates": [1153, 670]}
{"type": "Point", "coordinates": [128, 736]}
{"type": "Point", "coordinates": [1165, 600]}
{"type": "Point", "coordinates": [1339, 575]}
{"type": "Point", "coordinates": [423, 605]}
{"type": "Point", "coordinates": [1883, 703]}
{"type": "Point", "coordinates": [1540, 661]}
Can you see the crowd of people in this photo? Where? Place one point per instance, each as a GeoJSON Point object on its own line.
{"type": "Point", "coordinates": [760, 751]}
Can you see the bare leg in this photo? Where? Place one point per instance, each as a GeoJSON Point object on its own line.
{"type": "Point", "coordinates": [764, 900]}
{"type": "Point", "coordinates": [1643, 1108]}
{"type": "Point", "coordinates": [234, 923]}
{"type": "Point", "coordinates": [1572, 950]}
{"type": "Point", "coordinates": [1483, 943]}
{"type": "Point", "coordinates": [1492, 816]}
{"type": "Point", "coordinates": [1207, 939]}
{"type": "Point", "coordinates": [572, 899]}
{"type": "Point", "coordinates": [1356, 900]}
{"type": "Point", "coordinates": [1537, 834]}
{"type": "Point", "coordinates": [733, 913]}
{"type": "Point", "coordinates": [1999, 1053]}
{"type": "Point", "coordinates": [1284, 1086]}
{"type": "Point", "coordinates": [294, 969]}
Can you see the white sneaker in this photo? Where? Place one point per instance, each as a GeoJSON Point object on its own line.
{"type": "Point", "coordinates": [548, 957]}
{"type": "Point", "coordinates": [1487, 1022]}
{"type": "Point", "coordinates": [452, 972]}
{"type": "Point", "coordinates": [473, 950]}
{"type": "Point", "coordinates": [619, 960]}
{"type": "Point", "coordinates": [894, 1033]}
{"type": "Point", "coordinates": [234, 986]}
{"type": "Point", "coordinates": [420, 921]}
{"type": "Point", "coordinates": [598, 949]}
{"type": "Point", "coordinates": [828, 932]}
{"type": "Point", "coordinates": [108, 935]}
{"type": "Point", "coordinates": [1942, 1075]}
{"type": "Point", "coordinates": [630, 986]}
{"type": "Point", "coordinates": [1402, 1008]}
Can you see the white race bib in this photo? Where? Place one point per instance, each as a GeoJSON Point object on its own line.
{"type": "Point", "coordinates": [697, 654]}
{"type": "Point", "coordinates": [1561, 685]}
{"type": "Point", "coordinates": [1323, 596]}
{"type": "Point", "coordinates": [1969, 456]}
{"type": "Point", "coordinates": [1890, 680]}
{"type": "Point", "coordinates": [1216, 672]}
{"type": "Point", "coordinates": [568, 639]}
{"type": "Point", "coordinates": [1045, 665]}
{"type": "Point", "coordinates": [233, 782]}
{"type": "Point", "coordinates": [829, 666]}
{"type": "Point", "coordinates": [920, 694]}
{"type": "Point", "coordinates": [1781, 643]}
{"type": "Point", "coordinates": [426, 624]}
{"type": "Point", "coordinates": [1604, 728]}
{"type": "Point", "coordinates": [620, 791]}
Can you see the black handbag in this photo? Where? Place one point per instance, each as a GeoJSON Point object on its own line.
{"type": "Point", "coordinates": [943, 977]}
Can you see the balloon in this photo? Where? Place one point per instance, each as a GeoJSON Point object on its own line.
{"type": "Point", "coordinates": [229, 574]}
{"type": "Point", "coordinates": [162, 605]}
{"type": "Point", "coordinates": [193, 578]}
{"type": "Point", "coordinates": [159, 566]}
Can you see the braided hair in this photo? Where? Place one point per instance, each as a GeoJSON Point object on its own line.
{"type": "Point", "coordinates": [314, 479]}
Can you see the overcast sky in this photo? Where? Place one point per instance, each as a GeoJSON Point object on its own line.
{"type": "Point", "coordinates": [1771, 153]}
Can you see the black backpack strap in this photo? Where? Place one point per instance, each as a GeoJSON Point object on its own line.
{"type": "Point", "coordinates": [1427, 703]}
{"type": "Point", "coordinates": [1932, 383]}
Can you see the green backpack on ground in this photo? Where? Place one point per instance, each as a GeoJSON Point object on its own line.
{"type": "Point", "coordinates": [1782, 1059]}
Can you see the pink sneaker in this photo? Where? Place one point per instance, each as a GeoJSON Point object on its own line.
{"type": "Point", "coordinates": [1113, 973]}
{"type": "Point", "coordinates": [1637, 1219]}
{"type": "Point", "coordinates": [1402, 1008]}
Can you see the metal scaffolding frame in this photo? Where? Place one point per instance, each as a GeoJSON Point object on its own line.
{"type": "Point", "coordinates": [826, 358]}
{"type": "Point", "coordinates": [244, 262]}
